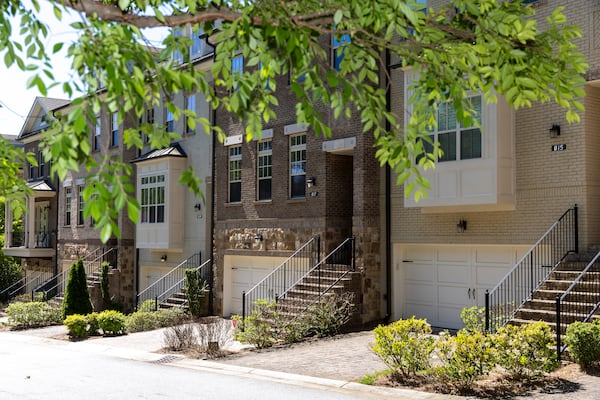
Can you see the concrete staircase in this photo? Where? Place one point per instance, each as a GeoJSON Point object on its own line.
{"type": "Point", "coordinates": [542, 305]}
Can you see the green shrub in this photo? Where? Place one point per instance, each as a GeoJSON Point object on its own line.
{"type": "Point", "coordinates": [147, 305]}
{"type": "Point", "coordinates": [111, 322]}
{"type": "Point", "coordinates": [527, 351]}
{"type": "Point", "coordinates": [326, 317]}
{"type": "Point", "coordinates": [77, 297]}
{"type": "Point", "coordinates": [93, 325]}
{"type": "Point", "coordinates": [170, 316]}
{"type": "Point", "coordinates": [10, 272]}
{"type": "Point", "coordinates": [258, 328]}
{"type": "Point", "coordinates": [32, 315]}
{"type": "Point", "coordinates": [583, 340]}
{"type": "Point", "coordinates": [196, 290]}
{"type": "Point", "coordinates": [77, 325]}
{"type": "Point", "coordinates": [465, 357]}
{"type": "Point", "coordinates": [473, 318]}
{"type": "Point", "coordinates": [140, 321]}
{"type": "Point", "coordinates": [405, 345]}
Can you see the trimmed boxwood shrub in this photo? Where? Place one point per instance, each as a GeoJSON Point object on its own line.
{"type": "Point", "coordinates": [32, 315]}
{"type": "Point", "coordinates": [111, 322]}
{"type": "Point", "coordinates": [583, 340]}
{"type": "Point", "coordinates": [77, 325]}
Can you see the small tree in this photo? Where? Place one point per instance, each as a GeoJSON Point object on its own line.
{"type": "Point", "coordinates": [77, 297]}
{"type": "Point", "coordinates": [195, 292]}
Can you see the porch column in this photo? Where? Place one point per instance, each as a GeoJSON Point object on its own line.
{"type": "Point", "coordinates": [30, 232]}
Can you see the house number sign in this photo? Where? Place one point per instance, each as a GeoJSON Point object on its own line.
{"type": "Point", "coordinates": [558, 147]}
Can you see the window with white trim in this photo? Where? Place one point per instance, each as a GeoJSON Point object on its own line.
{"type": "Point", "coordinates": [80, 204]}
{"type": "Point", "coordinates": [169, 119]}
{"type": "Point", "coordinates": [152, 204]}
{"type": "Point", "coordinates": [68, 199]}
{"type": "Point", "coordinates": [190, 105]}
{"type": "Point", "coordinates": [41, 164]}
{"type": "Point", "coordinates": [264, 169]}
{"type": "Point", "coordinates": [97, 133]}
{"type": "Point", "coordinates": [114, 130]}
{"type": "Point", "coordinates": [458, 142]}
{"type": "Point", "coordinates": [298, 166]}
{"type": "Point", "coordinates": [235, 174]}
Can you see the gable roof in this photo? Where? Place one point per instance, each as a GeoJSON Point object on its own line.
{"type": "Point", "coordinates": [174, 150]}
{"type": "Point", "coordinates": [36, 120]}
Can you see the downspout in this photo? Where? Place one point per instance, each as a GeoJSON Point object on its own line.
{"type": "Point", "coordinates": [55, 272]}
{"type": "Point", "coordinates": [213, 123]}
{"type": "Point", "coordinates": [388, 190]}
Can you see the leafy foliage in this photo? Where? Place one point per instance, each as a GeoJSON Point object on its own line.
{"type": "Point", "coordinates": [148, 320]}
{"type": "Point", "coordinates": [405, 345]}
{"type": "Point", "coordinates": [196, 290]}
{"type": "Point", "coordinates": [329, 315]}
{"type": "Point", "coordinates": [497, 48]}
{"type": "Point", "coordinates": [77, 325]}
{"type": "Point", "coordinates": [32, 314]}
{"type": "Point", "coordinates": [583, 339]}
{"type": "Point", "coordinates": [10, 272]}
{"type": "Point", "coordinates": [77, 297]}
{"type": "Point", "coordinates": [111, 322]}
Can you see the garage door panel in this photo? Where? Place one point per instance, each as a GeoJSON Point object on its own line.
{"type": "Point", "coordinates": [419, 272]}
{"type": "Point", "coordinates": [452, 254]}
{"type": "Point", "coordinates": [419, 254]}
{"type": "Point", "coordinates": [490, 276]}
{"type": "Point", "coordinates": [454, 273]}
{"type": "Point", "coordinates": [449, 317]}
{"type": "Point", "coordinates": [495, 255]}
{"type": "Point", "coordinates": [419, 311]}
{"type": "Point", "coordinates": [456, 295]}
{"type": "Point", "coordinates": [419, 293]}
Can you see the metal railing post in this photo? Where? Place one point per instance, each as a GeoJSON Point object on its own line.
{"type": "Point", "coordinates": [576, 228]}
{"type": "Point", "coordinates": [487, 311]}
{"type": "Point", "coordinates": [243, 305]}
{"type": "Point", "coordinates": [558, 328]}
{"type": "Point", "coordinates": [353, 253]}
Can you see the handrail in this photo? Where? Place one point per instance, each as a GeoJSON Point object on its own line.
{"type": "Point", "coordinates": [179, 285]}
{"type": "Point", "coordinates": [60, 279]}
{"type": "Point", "coordinates": [22, 284]}
{"type": "Point", "coordinates": [569, 305]}
{"type": "Point", "coordinates": [167, 281]}
{"type": "Point", "coordinates": [283, 276]}
{"type": "Point", "coordinates": [517, 286]}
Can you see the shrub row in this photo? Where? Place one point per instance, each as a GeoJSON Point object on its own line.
{"type": "Point", "coordinates": [109, 321]}
{"type": "Point", "coordinates": [522, 352]}
{"type": "Point", "coordinates": [33, 314]}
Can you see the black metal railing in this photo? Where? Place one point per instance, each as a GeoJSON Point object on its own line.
{"type": "Point", "coordinates": [327, 273]}
{"type": "Point", "coordinates": [42, 239]}
{"type": "Point", "coordinates": [504, 300]}
{"type": "Point", "coordinates": [579, 302]}
{"type": "Point", "coordinates": [56, 285]}
{"type": "Point", "coordinates": [30, 280]}
{"type": "Point", "coordinates": [173, 281]}
{"type": "Point", "coordinates": [282, 278]}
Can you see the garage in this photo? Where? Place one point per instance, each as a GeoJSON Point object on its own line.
{"type": "Point", "coordinates": [242, 273]}
{"type": "Point", "coordinates": [437, 281]}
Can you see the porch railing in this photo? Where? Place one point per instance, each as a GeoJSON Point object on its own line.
{"type": "Point", "coordinates": [24, 285]}
{"type": "Point", "coordinates": [172, 281]}
{"type": "Point", "coordinates": [337, 264]}
{"type": "Point", "coordinates": [504, 300]}
{"type": "Point", "coordinates": [56, 285]}
{"type": "Point", "coordinates": [282, 278]}
{"type": "Point", "coordinates": [579, 302]}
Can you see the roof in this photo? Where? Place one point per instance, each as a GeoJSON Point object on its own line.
{"type": "Point", "coordinates": [36, 121]}
{"type": "Point", "coordinates": [174, 150]}
{"type": "Point", "coordinates": [41, 186]}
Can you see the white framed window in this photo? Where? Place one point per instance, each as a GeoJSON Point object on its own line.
{"type": "Point", "coordinates": [97, 133]}
{"type": "Point", "coordinates": [190, 105]}
{"type": "Point", "coordinates": [152, 202]}
{"type": "Point", "coordinates": [235, 174]}
{"type": "Point", "coordinates": [298, 166]}
{"type": "Point", "coordinates": [80, 204]}
{"type": "Point", "coordinates": [169, 120]}
{"type": "Point", "coordinates": [177, 56]}
{"type": "Point", "coordinates": [264, 170]}
{"type": "Point", "coordinates": [41, 164]}
{"type": "Point", "coordinates": [197, 44]}
{"type": "Point", "coordinates": [458, 142]}
{"type": "Point", "coordinates": [114, 130]}
{"type": "Point", "coordinates": [68, 200]}
{"type": "Point", "coordinates": [149, 121]}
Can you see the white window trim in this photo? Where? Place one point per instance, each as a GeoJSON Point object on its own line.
{"type": "Point", "coordinates": [164, 184]}
{"type": "Point", "coordinates": [230, 158]}
{"type": "Point", "coordinates": [293, 149]}
{"type": "Point", "coordinates": [259, 155]}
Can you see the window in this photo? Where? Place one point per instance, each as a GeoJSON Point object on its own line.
{"type": "Point", "coordinates": [97, 132]}
{"type": "Point", "coordinates": [197, 44]}
{"type": "Point", "coordinates": [153, 199]}
{"type": "Point", "coordinates": [456, 141]}
{"type": "Point", "coordinates": [114, 129]}
{"type": "Point", "coordinates": [41, 164]}
{"type": "Point", "coordinates": [298, 166]}
{"type": "Point", "coordinates": [264, 169]}
{"type": "Point", "coordinates": [80, 204]}
{"type": "Point", "coordinates": [31, 170]}
{"type": "Point", "coordinates": [68, 197]}
{"type": "Point", "coordinates": [149, 121]}
{"type": "Point", "coordinates": [339, 49]}
{"type": "Point", "coordinates": [190, 105]}
{"type": "Point", "coordinates": [235, 174]}
{"type": "Point", "coordinates": [177, 56]}
{"type": "Point", "coordinates": [237, 66]}
{"type": "Point", "coordinates": [169, 120]}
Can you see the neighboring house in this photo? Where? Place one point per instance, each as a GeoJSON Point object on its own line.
{"type": "Point", "coordinates": [275, 193]}
{"type": "Point", "coordinates": [175, 225]}
{"type": "Point", "coordinates": [492, 200]}
{"type": "Point", "coordinates": [36, 243]}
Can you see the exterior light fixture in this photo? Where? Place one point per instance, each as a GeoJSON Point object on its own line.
{"type": "Point", "coordinates": [163, 258]}
{"type": "Point", "coordinates": [198, 207]}
{"type": "Point", "coordinates": [258, 238]}
{"type": "Point", "coordinates": [554, 130]}
{"type": "Point", "coordinates": [311, 182]}
{"type": "Point", "coordinates": [461, 227]}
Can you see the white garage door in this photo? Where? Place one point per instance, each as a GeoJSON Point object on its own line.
{"type": "Point", "coordinates": [437, 281]}
{"type": "Point", "coordinates": [242, 274]}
